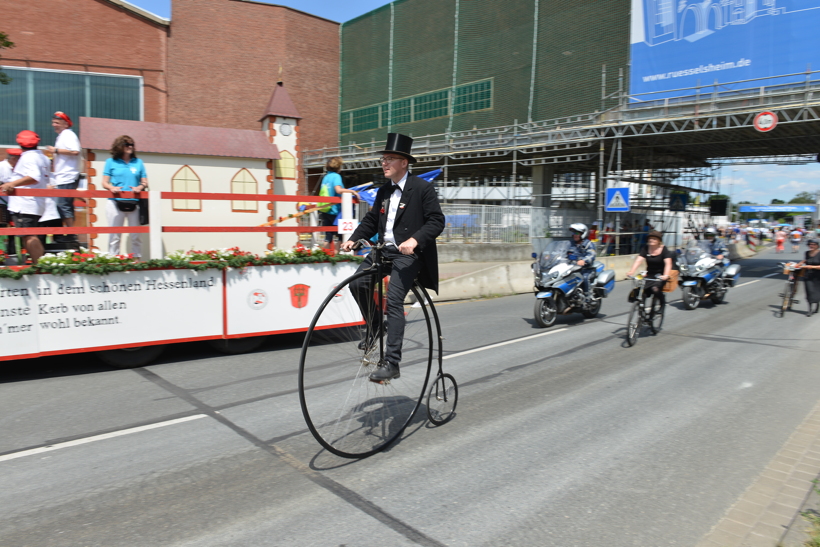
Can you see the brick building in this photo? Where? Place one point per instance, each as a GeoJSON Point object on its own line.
{"type": "Point", "coordinates": [215, 64]}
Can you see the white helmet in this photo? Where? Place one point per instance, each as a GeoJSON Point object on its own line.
{"type": "Point", "coordinates": [580, 229]}
{"type": "Point", "coordinates": [710, 232]}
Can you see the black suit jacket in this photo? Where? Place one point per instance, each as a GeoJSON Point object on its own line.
{"type": "Point", "coordinates": [419, 216]}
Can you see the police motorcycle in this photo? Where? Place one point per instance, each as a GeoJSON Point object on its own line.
{"type": "Point", "coordinates": [559, 285]}
{"type": "Point", "coordinates": [703, 275]}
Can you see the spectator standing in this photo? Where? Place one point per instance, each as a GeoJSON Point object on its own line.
{"type": "Point", "coordinates": [795, 237]}
{"type": "Point", "coordinates": [811, 265]}
{"type": "Point", "coordinates": [6, 169]}
{"type": "Point", "coordinates": [332, 186]}
{"type": "Point", "coordinates": [780, 240]}
{"type": "Point", "coordinates": [66, 175]}
{"type": "Point", "coordinates": [31, 171]}
{"type": "Point", "coordinates": [124, 172]}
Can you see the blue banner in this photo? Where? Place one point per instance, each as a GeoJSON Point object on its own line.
{"type": "Point", "coordinates": [777, 208]}
{"type": "Point", "coordinates": [686, 43]}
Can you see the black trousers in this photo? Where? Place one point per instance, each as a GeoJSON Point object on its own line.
{"type": "Point", "coordinates": [403, 274]}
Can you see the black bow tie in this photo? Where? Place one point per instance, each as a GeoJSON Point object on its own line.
{"type": "Point", "coordinates": [396, 187]}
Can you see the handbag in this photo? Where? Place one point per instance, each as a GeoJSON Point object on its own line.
{"type": "Point", "coordinates": [126, 206]}
{"type": "Point", "coordinates": [143, 211]}
{"type": "Point", "coordinates": [671, 283]}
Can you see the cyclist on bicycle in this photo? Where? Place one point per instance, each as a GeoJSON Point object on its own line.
{"type": "Point", "coordinates": [582, 251]}
{"type": "Point", "coordinates": [658, 260]}
{"type": "Point", "coordinates": [407, 218]}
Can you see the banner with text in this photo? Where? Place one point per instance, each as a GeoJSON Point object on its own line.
{"type": "Point", "coordinates": [687, 43]}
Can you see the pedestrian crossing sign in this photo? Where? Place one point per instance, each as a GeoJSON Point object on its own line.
{"type": "Point", "coordinates": [678, 202]}
{"type": "Point", "coordinates": [617, 200]}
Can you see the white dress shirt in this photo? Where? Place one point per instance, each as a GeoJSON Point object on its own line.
{"type": "Point", "coordinates": [395, 201]}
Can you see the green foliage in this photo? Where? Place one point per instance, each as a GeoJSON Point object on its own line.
{"type": "Point", "coordinates": [5, 43]}
{"type": "Point", "coordinates": [776, 201]}
{"type": "Point", "coordinates": [101, 264]}
{"type": "Point", "coordinates": [718, 196]}
{"type": "Point", "coordinates": [803, 197]}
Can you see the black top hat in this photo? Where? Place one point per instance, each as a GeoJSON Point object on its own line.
{"type": "Point", "coordinates": [399, 144]}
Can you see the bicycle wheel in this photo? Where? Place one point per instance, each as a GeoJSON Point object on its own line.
{"type": "Point", "coordinates": [786, 303]}
{"type": "Point", "coordinates": [442, 399]}
{"type": "Point", "coordinates": [348, 414]}
{"type": "Point", "coordinates": [656, 317]}
{"type": "Point", "coordinates": [633, 323]}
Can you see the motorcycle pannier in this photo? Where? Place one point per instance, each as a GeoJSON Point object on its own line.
{"type": "Point", "coordinates": [605, 282]}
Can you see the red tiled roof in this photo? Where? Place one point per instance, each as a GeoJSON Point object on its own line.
{"type": "Point", "coordinates": [164, 138]}
{"type": "Point", "coordinates": [280, 104]}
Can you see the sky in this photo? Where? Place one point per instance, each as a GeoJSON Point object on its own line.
{"type": "Point", "coordinates": [335, 10]}
{"type": "Point", "coordinates": [754, 183]}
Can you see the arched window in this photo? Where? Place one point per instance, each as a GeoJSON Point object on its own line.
{"type": "Point", "coordinates": [285, 166]}
{"type": "Point", "coordinates": [185, 180]}
{"type": "Point", "coordinates": [244, 183]}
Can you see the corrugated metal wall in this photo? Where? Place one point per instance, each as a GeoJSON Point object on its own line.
{"type": "Point", "coordinates": [433, 66]}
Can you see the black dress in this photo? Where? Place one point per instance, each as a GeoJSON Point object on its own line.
{"type": "Point", "coordinates": [812, 279]}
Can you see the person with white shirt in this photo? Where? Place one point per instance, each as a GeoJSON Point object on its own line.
{"type": "Point", "coordinates": [6, 168]}
{"type": "Point", "coordinates": [407, 217]}
{"type": "Point", "coordinates": [66, 158]}
{"type": "Point", "coordinates": [31, 171]}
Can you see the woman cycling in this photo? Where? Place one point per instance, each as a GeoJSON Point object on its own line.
{"type": "Point", "coordinates": [658, 260]}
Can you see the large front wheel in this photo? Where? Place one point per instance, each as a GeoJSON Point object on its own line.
{"type": "Point", "coordinates": [691, 297]}
{"type": "Point", "coordinates": [347, 413]}
{"type": "Point", "coordinates": [545, 312]}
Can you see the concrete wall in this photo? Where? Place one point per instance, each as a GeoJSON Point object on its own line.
{"type": "Point", "coordinates": [483, 252]}
{"type": "Point", "coordinates": [511, 278]}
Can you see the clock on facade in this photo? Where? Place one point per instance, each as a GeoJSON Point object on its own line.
{"type": "Point", "coordinates": [285, 129]}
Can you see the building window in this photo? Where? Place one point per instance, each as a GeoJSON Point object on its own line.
{"type": "Point", "coordinates": [464, 98]}
{"type": "Point", "coordinates": [35, 94]}
{"type": "Point", "coordinates": [186, 180]}
{"type": "Point", "coordinates": [472, 97]}
{"type": "Point", "coordinates": [285, 166]}
{"type": "Point", "coordinates": [366, 118]}
{"type": "Point", "coordinates": [431, 105]}
{"type": "Point", "coordinates": [244, 183]}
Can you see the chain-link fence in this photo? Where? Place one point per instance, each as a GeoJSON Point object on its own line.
{"type": "Point", "coordinates": [507, 224]}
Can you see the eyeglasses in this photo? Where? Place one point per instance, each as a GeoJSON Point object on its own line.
{"type": "Point", "coordinates": [387, 159]}
{"type": "Point", "coordinates": [128, 144]}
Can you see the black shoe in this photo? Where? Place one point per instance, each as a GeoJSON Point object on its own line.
{"type": "Point", "coordinates": [386, 371]}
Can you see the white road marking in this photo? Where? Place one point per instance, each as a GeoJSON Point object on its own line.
{"type": "Point", "coordinates": [104, 436]}
{"type": "Point", "coordinates": [504, 343]}
{"type": "Point", "coordinates": [756, 280]}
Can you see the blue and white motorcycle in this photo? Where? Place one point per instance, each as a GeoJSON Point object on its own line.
{"type": "Point", "coordinates": [559, 285]}
{"type": "Point", "coordinates": [704, 276]}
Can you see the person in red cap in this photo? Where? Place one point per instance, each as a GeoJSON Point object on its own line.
{"type": "Point", "coordinates": [31, 171]}
{"type": "Point", "coordinates": [66, 174]}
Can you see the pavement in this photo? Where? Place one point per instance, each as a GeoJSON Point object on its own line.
{"type": "Point", "coordinates": [769, 512]}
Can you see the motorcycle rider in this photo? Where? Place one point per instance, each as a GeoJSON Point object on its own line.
{"type": "Point", "coordinates": [583, 251]}
{"type": "Point", "coordinates": [716, 245]}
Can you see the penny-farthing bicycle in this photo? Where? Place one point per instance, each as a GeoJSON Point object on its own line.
{"type": "Point", "coordinates": [350, 415]}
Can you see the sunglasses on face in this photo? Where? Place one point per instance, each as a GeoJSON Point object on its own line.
{"type": "Point", "coordinates": [128, 144]}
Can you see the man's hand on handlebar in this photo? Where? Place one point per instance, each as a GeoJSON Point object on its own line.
{"type": "Point", "coordinates": [347, 246]}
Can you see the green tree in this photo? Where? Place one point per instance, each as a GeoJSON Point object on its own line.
{"type": "Point", "coordinates": [718, 196]}
{"type": "Point", "coordinates": [5, 44]}
{"type": "Point", "coordinates": [803, 197]}
{"type": "Point", "coordinates": [776, 201]}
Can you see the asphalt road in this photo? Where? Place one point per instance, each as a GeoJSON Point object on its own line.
{"type": "Point", "coordinates": [566, 439]}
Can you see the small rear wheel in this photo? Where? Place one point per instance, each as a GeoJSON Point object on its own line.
{"type": "Point", "coordinates": [442, 399]}
{"type": "Point", "coordinates": [545, 312]}
{"type": "Point", "coordinates": [786, 304]}
{"type": "Point", "coordinates": [633, 324]}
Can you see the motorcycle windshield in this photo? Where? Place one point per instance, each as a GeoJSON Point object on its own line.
{"type": "Point", "coordinates": [554, 253]}
{"type": "Point", "coordinates": [695, 251]}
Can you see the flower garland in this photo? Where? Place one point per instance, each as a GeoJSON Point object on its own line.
{"type": "Point", "coordinates": [96, 263]}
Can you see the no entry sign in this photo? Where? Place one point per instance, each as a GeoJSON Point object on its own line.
{"type": "Point", "coordinates": [765, 121]}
